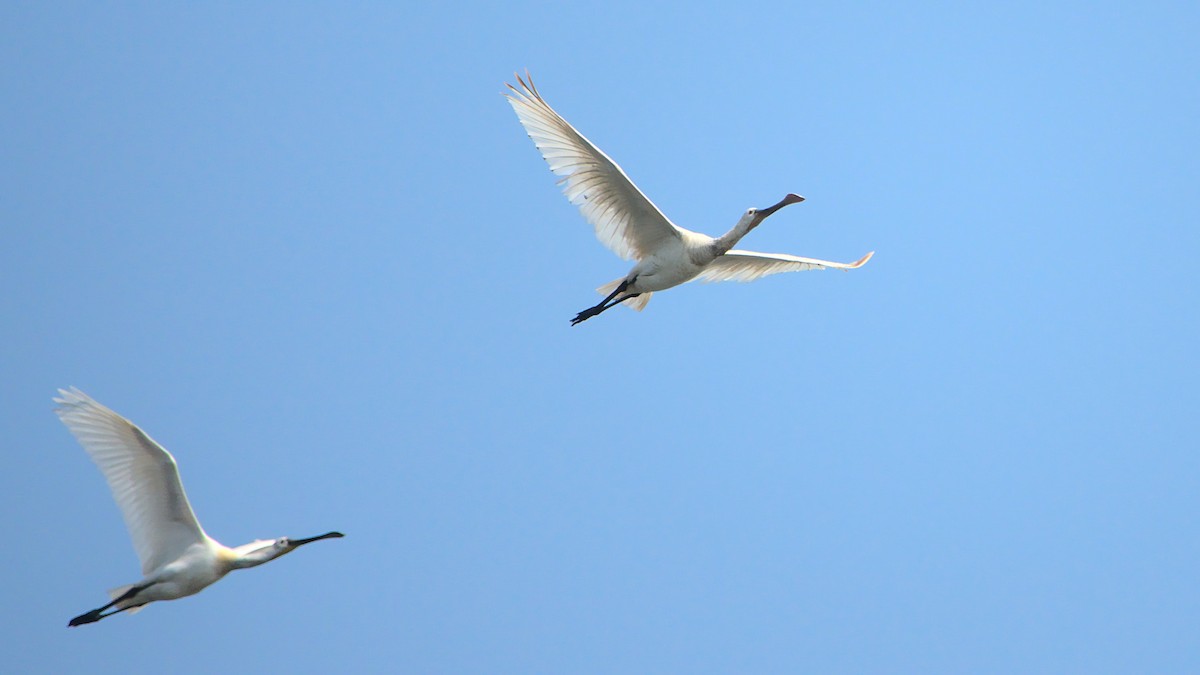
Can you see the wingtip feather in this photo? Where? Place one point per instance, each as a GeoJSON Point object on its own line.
{"type": "Point", "coordinates": [69, 398]}
{"type": "Point", "coordinates": [862, 261]}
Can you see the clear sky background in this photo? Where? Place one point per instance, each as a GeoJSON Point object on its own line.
{"type": "Point", "coordinates": [311, 251]}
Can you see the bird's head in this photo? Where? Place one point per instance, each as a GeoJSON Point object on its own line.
{"type": "Point", "coordinates": [259, 552]}
{"type": "Point", "coordinates": [753, 217]}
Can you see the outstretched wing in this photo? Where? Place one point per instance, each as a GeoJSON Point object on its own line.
{"type": "Point", "coordinates": [625, 220]}
{"type": "Point", "coordinates": [142, 475]}
{"type": "Point", "coordinates": [749, 265]}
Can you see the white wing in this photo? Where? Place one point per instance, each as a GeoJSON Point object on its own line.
{"type": "Point", "coordinates": [142, 475]}
{"type": "Point", "coordinates": [625, 220]}
{"type": "Point", "coordinates": [749, 265]}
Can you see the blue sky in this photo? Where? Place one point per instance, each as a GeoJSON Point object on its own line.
{"type": "Point", "coordinates": [311, 251]}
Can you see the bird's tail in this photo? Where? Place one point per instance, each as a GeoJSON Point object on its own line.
{"type": "Point", "coordinates": [117, 592]}
{"type": "Point", "coordinates": [638, 303]}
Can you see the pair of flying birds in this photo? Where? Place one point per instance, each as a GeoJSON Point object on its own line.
{"type": "Point", "coordinates": [179, 559]}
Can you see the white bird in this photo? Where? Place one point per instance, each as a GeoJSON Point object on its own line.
{"type": "Point", "coordinates": [628, 223]}
{"type": "Point", "coordinates": [178, 558]}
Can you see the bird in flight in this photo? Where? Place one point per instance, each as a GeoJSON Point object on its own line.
{"type": "Point", "coordinates": [178, 558]}
{"type": "Point", "coordinates": [629, 224]}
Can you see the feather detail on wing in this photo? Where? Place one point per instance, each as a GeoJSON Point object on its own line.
{"type": "Point", "coordinates": [749, 265]}
{"type": "Point", "coordinates": [142, 475]}
{"type": "Point", "coordinates": [626, 221]}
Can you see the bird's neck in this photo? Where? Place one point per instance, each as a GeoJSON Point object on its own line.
{"type": "Point", "coordinates": [228, 558]}
{"type": "Point", "coordinates": [242, 562]}
{"type": "Point", "coordinates": [248, 555]}
{"type": "Point", "coordinates": [722, 244]}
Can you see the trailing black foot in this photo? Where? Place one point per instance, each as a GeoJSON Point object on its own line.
{"type": "Point", "coordinates": [585, 315]}
{"type": "Point", "coordinates": [90, 617]}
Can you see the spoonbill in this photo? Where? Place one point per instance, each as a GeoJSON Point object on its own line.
{"type": "Point", "coordinates": [178, 558]}
{"type": "Point", "coordinates": [629, 224]}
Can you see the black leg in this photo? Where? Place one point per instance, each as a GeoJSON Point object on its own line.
{"type": "Point", "coordinates": [95, 615]}
{"type": "Point", "coordinates": [604, 304]}
{"type": "Point", "coordinates": [593, 311]}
